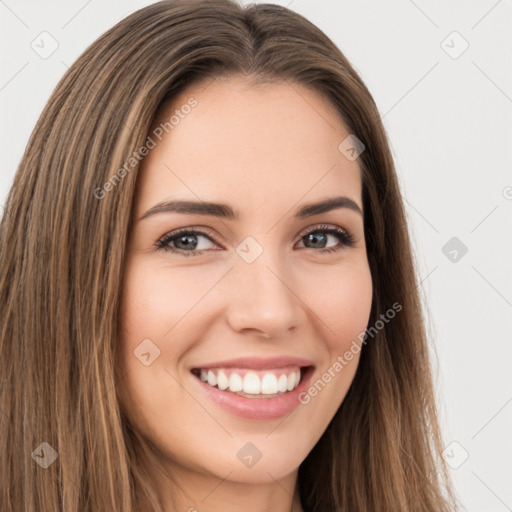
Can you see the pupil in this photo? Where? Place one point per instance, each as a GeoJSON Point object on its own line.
{"type": "Point", "coordinates": [190, 241]}
{"type": "Point", "coordinates": [315, 237]}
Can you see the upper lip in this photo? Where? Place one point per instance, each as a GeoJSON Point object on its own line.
{"type": "Point", "coordinates": [257, 363]}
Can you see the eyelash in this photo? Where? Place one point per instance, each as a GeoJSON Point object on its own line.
{"type": "Point", "coordinates": [346, 239]}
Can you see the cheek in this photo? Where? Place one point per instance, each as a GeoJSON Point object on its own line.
{"type": "Point", "coordinates": [343, 304]}
{"type": "Point", "coordinates": [159, 315]}
{"type": "Point", "coordinates": [153, 304]}
{"type": "Point", "coordinates": [153, 310]}
{"type": "Point", "coordinates": [145, 315]}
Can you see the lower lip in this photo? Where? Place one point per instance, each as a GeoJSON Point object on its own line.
{"type": "Point", "coordinates": [258, 408]}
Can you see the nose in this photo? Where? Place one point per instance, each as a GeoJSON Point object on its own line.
{"type": "Point", "coordinates": [262, 299]}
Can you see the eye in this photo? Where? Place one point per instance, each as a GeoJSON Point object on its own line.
{"type": "Point", "coordinates": [185, 241]}
{"type": "Point", "coordinates": [319, 235]}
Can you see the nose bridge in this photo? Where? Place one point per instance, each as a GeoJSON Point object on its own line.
{"type": "Point", "coordinates": [262, 295]}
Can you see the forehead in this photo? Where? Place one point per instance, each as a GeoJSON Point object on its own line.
{"type": "Point", "coordinates": [247, 145]}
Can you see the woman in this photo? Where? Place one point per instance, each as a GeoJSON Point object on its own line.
{"type": "Point", "coordinates": [282, 367]}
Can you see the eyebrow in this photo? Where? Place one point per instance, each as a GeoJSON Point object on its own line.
{"type": "Point", "coordinates": [225, 211]}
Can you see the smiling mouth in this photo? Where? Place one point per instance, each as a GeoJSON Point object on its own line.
{"type": "Point", "coordinates": [251, 383]}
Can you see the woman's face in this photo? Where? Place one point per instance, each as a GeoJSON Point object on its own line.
{"type": "Point", "coordinates": [247, 295]}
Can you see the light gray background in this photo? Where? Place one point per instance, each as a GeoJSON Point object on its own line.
{"type": "Point", "coordinates": [449, 119]}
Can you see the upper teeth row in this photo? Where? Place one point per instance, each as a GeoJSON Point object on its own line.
{"type": "Point", "coordinates": [251, 383]}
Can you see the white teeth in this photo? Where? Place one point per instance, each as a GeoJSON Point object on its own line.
{"type": "Point", "coordinates": [212, 380]}
{"type": "Point", "coordinates": [252, 383]}
{"type": "Point", "coordinates": [222, 381]}
{"type": "Point", "coordinates": [271, 383]}
{"type": "Point", "coordinates": [282, 383]}
{"type": "Point", "coordinates": [235, 382]}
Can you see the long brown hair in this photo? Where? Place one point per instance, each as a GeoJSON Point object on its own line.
{"type": "Point", "coordinates": [62, 243]}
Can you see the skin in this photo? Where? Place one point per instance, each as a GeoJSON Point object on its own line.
{"type": "Point", "coordinates": [265, 150]}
